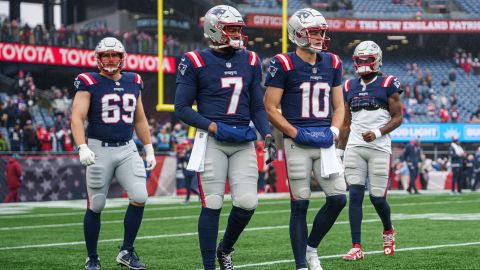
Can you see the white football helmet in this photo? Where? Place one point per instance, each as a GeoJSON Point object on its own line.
{"type": "Point", "coordinates": [215, 25]}
{"type": "Point", "coordinates": [304, 21]}
{"type": "Point", "coordinates": [110, 45]}
{"type": "Point", "coordinates": [367, 57]}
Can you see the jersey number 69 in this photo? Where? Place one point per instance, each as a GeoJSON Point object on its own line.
{"type": "Point", "coordinates": [111, 112]}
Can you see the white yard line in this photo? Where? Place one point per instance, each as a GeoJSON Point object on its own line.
{"type": "Point", "coordinates": [368, 252]}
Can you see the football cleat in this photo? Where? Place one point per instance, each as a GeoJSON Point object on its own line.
{"type": "Point", "coordinates": [224, 259]}
{"type": "Point", "coordinates": [130, 259]}
{"type": "Point", "coordinates": [92, 263]}
{"type": "Point", "coordinates": [313, 260]}
{"type": "Point", "coordinates": [355, 253]}
{"type": "Point", "coordinates": [389, 242]}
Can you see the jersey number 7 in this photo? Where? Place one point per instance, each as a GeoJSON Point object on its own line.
{"type": "Point", "coordinates": [320, 94]}
{"type": "Point", "coordinates": [237, 83]}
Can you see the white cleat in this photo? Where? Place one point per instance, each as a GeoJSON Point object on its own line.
{"type": "Point", "coordinates": [313, 260]}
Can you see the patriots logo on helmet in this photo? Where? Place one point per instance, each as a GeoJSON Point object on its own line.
{"type": "Point", "coordinates": [272, 70]}
{"type": "Point", "coordinates": [182, 68]}
{"type": "Point", "coordinates": [219, 12]}
{"type": "Point", "coordinates": [302, 15]}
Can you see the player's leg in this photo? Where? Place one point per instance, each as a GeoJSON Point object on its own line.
{"type": "Point", "coordinates": [211, 184]}
{"type": "Point", "coordinates": [378, 175]}
{"type": "Point", "coordinates": [243, 178]}
{"type": "Point", "coordinates": [355, 174]}
{"type": "Point", "coordinates": [131, 175]}
{"type": "Point", "coordinates": [99, 176]}
{"type": "Point", "coordinates": [299, 170]}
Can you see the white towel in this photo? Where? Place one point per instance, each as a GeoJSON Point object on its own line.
{"type": "Point", "coordinates": [330, 163]}
{"type": "Point", "coordinates": [197, 158]}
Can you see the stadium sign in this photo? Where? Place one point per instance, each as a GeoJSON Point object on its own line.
{"type": "Point", "coordinates": [47, 55]}
{"type": "Point", "coordinates": [380, 26]}
{"type": "Point", "coordinates": [437, 132]}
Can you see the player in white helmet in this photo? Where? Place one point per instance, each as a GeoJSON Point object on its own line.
{"type": "Point", "coordinates": [373, 109]}
{"type": "Point", "coordinates": [307, 83]}
{"type": "Point", "coordinates": [111, 102]}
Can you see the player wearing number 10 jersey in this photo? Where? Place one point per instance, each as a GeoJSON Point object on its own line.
{"type": "Point", "coordinates": [307, 84]}
{"type": "Point", "coordinates": [111, 102]}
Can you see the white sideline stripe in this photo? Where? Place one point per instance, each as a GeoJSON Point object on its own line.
{"type": "Point", "coordinates": [161, 236]}
{"type": "Point", "coordinates": [179, 207]}
{"type": "Point", "coordinates": [368, 252]}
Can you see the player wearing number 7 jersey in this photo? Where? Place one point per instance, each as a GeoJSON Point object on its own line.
{"type": "Point", "coordinates": [307, 83]}
{"type": "Point", "coordinates": [111, 102]}
{"type": "Point", "coordinates": [225, 82]}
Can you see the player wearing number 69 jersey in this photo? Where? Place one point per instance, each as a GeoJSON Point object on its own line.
{"type": "Point", "coordinates": [307, 83]}
{"type": "Point", "coordinates": [111, 102]}
{"type": "Point", "coordinates": [225, 82]}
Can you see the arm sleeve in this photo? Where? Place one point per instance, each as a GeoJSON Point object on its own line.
{"type": "Point", "coordinates": [276, 76]}
{"type": "Point", "coordinates": [394, 87]}
{"type": "Point", "coordinates": [257, 108]}
{"type": "Point", "coordinates": [186, 94]}
{"type": "Point", "coordinates": [337, 75]}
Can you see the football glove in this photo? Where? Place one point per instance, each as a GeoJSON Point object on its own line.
{"type": "Point", "coordinates": [150, 157]}
{"type": "Point", "coordinates": [270, 148]}
{"type": "Point", "coordinates": [87, 156]}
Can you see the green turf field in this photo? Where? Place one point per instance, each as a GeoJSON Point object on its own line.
{"type": "Point", "coordinates": [432, 232]}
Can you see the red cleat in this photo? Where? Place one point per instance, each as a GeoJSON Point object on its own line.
{"type": "Point", "coordinates": [389, 242]}
{"type": "Point", "coordinates": [355, 253]}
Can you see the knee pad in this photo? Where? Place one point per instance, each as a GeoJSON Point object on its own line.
{"type": "Point", "coordinates": [97, 202]}
{"type": "Point", "coordinates": [353, 174]}
{"type": "Point", "coordinates": [246, 201]}
{"type": "Point", "coordinates": [377, 201]}
{"type": "Point", "coordinates": [337, 201]}
{"type": "Point", "coordinates": [296, 169]}
{"type": "Point", "coordinates": [138, 194]}
{"type": "Point", "coordinates": [95, 177]}
{"type": "Point", "coordinates": [356, 193]}
{"type": "Point", "coordinates": [300, 193]}
{"type": "Point", "coordinates": [213, 201]}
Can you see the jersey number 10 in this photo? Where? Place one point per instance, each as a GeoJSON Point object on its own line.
{"type": "Point", "coordinates": [320, 94]}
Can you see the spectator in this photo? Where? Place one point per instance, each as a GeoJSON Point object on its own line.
{"type": "Point", "coordinates": [3, 115]}
{"type": "Point", "coordinates": [13, 179]}
{"type": "Point", "coordinates": [431, 108]}
{"type": "Point", "coordinates": [456, 154]}
{"type": "Point", "coordinates": [452, 77]}
{"type": "Point", "coordinates": [443, 114]}
{"type": "Point", "coordinates": [24, 114]}
{"type": "Point", "coordinates": [179, 134]}
{"type": "Point", "coordinates": [428, 77]}
{"type": "Point", "coordinates": [44, 139]}
{"type": "Point", "coordinates": [16, 138]}
{"type": "Point", "coordinates": [412, 156]}
{"type": "Point", "coordinates": [163, 140]}
{"type": "Point", "coordinates": [476, 66]}
{"type": "Point", "coordinates": [3, 143]}
{"type": "Point", "coordinates": [467, 174]}
{"type": "Point", "coordinates": [454, 114]}
{"type": "Point", "coordinates": [30, 139]}
{"type": "Point", "coordinates": [425, 169]}
{"type": "Point", "coordinates": [271, 179]}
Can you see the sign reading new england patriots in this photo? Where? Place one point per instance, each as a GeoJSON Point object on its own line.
{"type": "Point", "coordinates": [437, 132]}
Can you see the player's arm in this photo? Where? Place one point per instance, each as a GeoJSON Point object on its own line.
{"type": "Point", "coordinates": [80, 107]}
{"type": "Point", "coordinates": [273, 96]}
{"type": "Point", "coordinates": [338, 114]}
{"type": "Point", "coordinates": [345, 130]}
{"type": "Point", "coordinates": [143, 132]}
{"type": "Point", "coordinates": [257, 108]}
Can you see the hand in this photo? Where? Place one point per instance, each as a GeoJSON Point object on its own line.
{"type": "Point", "coordinates": [87, 156]}
{"type": "Point", "coordinates": [336, 133]}
{"type": "Point", "coordinates": [212, 128]}
{"type": "Point", "coordinates": [340, 153]}
{"type": "Point", "coordinates": [271, 149]}
{"type": "Point", "coordinates": [150, 157]}
{"type": "Point", "coordinates": [369, 136]}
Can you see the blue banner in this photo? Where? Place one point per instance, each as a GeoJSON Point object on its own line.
{"type": "Point", "coordinates": [437, 132]}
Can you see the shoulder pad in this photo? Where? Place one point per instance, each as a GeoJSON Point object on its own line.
{"type": "Point", "coordinates": [285, 61]}
{"type": "Point", "coordinates": [387, 81]}
{"type": "Point", "coordinates": [196, 59]}
{"type": "Point", "coordinates": [252, 58]}
{"type": "Point", "coordinates": [87, 78]}
{"type": "Point", "coordinates": [138, 79]}
{"type": "Point", "coordinates": [336, 61]}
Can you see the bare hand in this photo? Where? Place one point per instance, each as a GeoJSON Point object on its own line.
{"type": "Point", "coordinates": [212, 127]}
{"type": "Point", "coordinates": [369, 136]}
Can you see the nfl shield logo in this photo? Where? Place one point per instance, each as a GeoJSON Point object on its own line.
{"type": "Point", "coordinates": [314, 70]}
{"type": "Point", "coordinates": [228, 64]}
{"type": "Point", "coordinates": [117, 83]}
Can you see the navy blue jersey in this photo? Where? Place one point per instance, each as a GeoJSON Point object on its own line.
{"type": "Point", "coordinates": [371, 96]}
{"type": "Point", "coordinates": [226, 88]}
{"type": "Point", "coordinates": [307, 88]}
{"type": "Point", "coordinates": [112, 105]}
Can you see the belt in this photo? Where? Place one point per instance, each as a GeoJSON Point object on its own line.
{"type": "Point", "coordinates": [114, 144]}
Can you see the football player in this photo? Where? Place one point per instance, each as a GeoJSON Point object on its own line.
{"type": "Point", "coordinates": [308, 84]}
{"type": "Point", "coordinates": [111, 102]}
{"type": "Point", "coordinates": [373, 109]}
{"type": "Point", "coordinates": [225, 83]}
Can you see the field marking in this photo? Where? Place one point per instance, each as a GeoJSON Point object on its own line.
{"type": "Point", "coordinates": [162, 236]}
{"type": "Point", "coordinates": [367, 253]}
